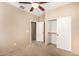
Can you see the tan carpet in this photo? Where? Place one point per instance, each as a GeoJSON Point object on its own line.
{"type": "Point", "coordinates": [39, 49]}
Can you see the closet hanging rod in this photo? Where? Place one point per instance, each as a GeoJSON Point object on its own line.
{"type": "Point", "coordinates": [52, 33]}
{"type": "Point", "coordinates": [52, 20]}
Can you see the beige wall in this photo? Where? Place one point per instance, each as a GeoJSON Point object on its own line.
{"type": "Point", "coordinates": [14, 28]}
{"type": "Point", "coordinates": [41, 18]}
{"type": "Point", "coordinates": [66, 10]}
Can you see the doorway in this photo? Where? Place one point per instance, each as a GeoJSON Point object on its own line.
{"type": "Point", "coordinates": [33, 31]}
{"type": "Point", "coordinates": [37, 33]}
{"type": "Point", "coordinates": [52, 32]}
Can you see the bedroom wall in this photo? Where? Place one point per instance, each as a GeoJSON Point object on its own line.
{"type": "Point", "coordinates": [15, 28]}
{"type": "Point", "coordinates": [41, 18]}
{"type": "Point", "coordinates": [72, 10]}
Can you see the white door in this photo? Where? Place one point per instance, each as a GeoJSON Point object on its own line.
{"type": "Point", "coordinates": [40, 31]}
{"type": "Point", "coordinates": [64, 33]}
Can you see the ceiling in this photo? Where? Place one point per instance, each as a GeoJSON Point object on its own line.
{"type": "Point", "coordinates": [38, 12]}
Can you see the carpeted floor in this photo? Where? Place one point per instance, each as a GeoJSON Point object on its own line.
{"type": "Point", "coordinates": [39, 49]}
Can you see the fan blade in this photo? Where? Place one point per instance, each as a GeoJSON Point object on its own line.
{"type": "Point", "coordinates": [41, 8]}
{"type": "Point", "coordinates": [25, 2]}
{"type": "Point", "coordinates": [31, 9]}
{"type": "Point", "coordinates": [22, 7]}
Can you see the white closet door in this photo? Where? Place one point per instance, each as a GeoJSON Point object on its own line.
{"type": "Point", "coordinates": [40, 31]}
{"type": "Point", "coordinates": [64, 33]}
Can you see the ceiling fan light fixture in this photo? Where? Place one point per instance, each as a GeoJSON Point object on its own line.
{"type": "Point", "coordinates": [35, 5]}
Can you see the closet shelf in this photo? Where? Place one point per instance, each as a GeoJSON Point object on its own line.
{"type": "Point", "coordinates": [52, 33]}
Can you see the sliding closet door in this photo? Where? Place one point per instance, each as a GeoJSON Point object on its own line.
{"type": "Point", "coordinates": [40, 31]}
{"type": "Point", "coordinates": [64, 33]}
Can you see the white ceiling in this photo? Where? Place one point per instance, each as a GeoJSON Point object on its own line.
{"type": "Point", "coordinates": [38, 12]}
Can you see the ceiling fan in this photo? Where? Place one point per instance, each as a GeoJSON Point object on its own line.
{"type": "Point", "coordinates": [35, 5]}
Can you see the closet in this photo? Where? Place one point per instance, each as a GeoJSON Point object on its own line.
{"type": "Point", "coordinates": [59, 32]}
{"type": "Point", "coordinates": [52, 31]}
